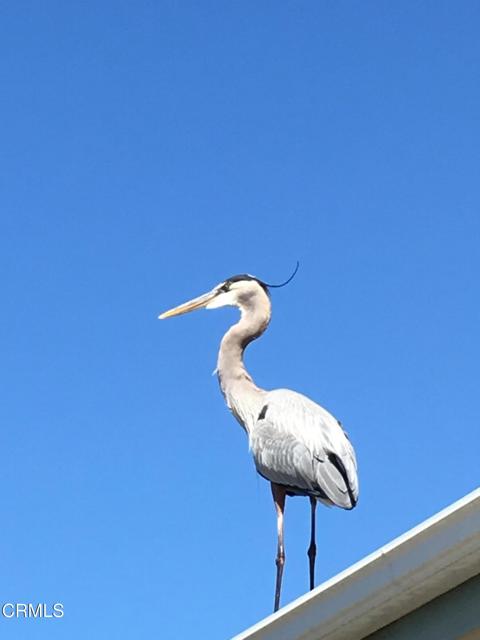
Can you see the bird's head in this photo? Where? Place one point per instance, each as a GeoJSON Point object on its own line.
{"type": "Point", "coordinates": [243, 291]}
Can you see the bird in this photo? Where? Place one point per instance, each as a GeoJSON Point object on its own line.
{"type": "Point", "coordinates": [297, 445]}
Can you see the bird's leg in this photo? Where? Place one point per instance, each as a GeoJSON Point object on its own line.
{"type": "Point", "coordinates": [279, 495]}
{"type": "Point", "coordinates": [312, 549]}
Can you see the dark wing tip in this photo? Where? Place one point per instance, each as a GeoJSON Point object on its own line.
{"type": "Point", "coordinates": [338, 464]}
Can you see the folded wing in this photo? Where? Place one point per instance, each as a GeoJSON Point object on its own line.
{"type": "Point", "coordinates": [298, 444]}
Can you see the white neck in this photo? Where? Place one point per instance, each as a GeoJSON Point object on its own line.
{"type": "Point", "coordinates": [243, 397]}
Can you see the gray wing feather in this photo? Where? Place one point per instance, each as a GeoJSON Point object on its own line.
{"type": "Point", "coordinates": [299, 444]}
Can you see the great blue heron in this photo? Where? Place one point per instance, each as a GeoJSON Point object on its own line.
{"type": "Point", "coordinates": [296, 444]}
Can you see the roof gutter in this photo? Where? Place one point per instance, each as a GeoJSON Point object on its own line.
{"type": "Point", "coordinates": [430, 559]}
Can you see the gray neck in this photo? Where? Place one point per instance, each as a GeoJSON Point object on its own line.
{"type": "Point", "coordinates": [242, 395]}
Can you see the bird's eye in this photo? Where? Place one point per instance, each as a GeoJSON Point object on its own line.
{"type": "Point", "coordinates": [225, 287]}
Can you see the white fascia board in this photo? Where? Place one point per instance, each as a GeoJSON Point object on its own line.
{"type": "Point", "coordinates": [430, 559]}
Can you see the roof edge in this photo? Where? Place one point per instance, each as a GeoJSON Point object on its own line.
{"type": "Point", "coordinates": [430, 559]}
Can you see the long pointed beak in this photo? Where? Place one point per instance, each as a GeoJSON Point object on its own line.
{"type": "Point", "coordinates": [191, 305]}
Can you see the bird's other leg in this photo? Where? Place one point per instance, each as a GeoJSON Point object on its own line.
{"type": "Point", "coordinates": [279, 495]}
{"type": "Point", "coordinates": [312, 549]}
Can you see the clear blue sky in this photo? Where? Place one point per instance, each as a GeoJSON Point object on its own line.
{"type": "Point", "coordinates": [148, 151]}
